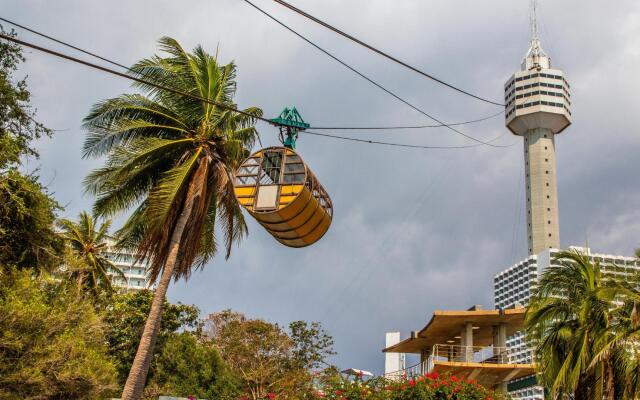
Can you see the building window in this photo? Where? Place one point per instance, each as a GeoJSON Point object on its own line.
{"type": "Point", "coordinates": [549, 235]}
{"type": "Point", "coordinates": [548, 209]}
{"type": "Point", "coordinates": [546, 172]}
{"type": "Point", "coordinates": [546, 160]}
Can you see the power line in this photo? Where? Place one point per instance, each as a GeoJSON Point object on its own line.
{"type": "Point", "coordinates": [133, 78]}
{"type": "Point", "coordinates": [364, 76]}
{"type": "Point", "coordinates": [413, 146]}
{"type": "Point", "coordinates": [382, 53]}
{"type": "Point", "coordinates": [323, 128]}
{"type": "Point", "coordinates": [196, 97]}
{"type": "Point", "coordinates": [373, 128]}
{"type": "Point", "coordinates": [41, 34]}
{"type": "Point", "coordinates": [64, 43]}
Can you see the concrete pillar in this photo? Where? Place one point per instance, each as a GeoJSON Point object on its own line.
{"type": "Point", "coordinates": [543, 229]}
{"type": "Point", "coordinates": [466, 340]}
{"type": "Point", "coordinates": [500, 343]}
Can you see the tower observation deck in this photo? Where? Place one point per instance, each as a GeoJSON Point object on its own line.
{"type": "Point", "coordinates": [538, 107]}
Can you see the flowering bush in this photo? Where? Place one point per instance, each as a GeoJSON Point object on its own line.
{"type": "Point", "coordinates": [427, 387]}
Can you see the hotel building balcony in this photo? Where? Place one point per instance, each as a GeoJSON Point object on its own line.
{"type": "Point", "coordinates": [467, 344]}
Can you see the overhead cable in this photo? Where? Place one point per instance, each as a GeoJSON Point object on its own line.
{"type": "Point", "coordinates": [135, 79]}
{"type": "Point", "coordinates": [366, 77]}
{"type": "Point", "coordinates": [382, 53]}
{"type": "Point", "coordinates": [373, 128]}
{"type": "Point", "coordinates": [413, 146]}
{"type": "Point", "coordinates": [193, 96]}
{"type": "Point", "coordinates": [64, 43]}
{"type": "Point", "coordinates": [71, 46]}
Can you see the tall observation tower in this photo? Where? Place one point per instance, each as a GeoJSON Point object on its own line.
{"type": "Point", "coordinates": [538, 108]}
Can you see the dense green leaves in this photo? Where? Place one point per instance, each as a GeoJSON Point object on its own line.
{"type": "Point", "coordinates": [18, 128]}
{"type": "Point", "coordinates": [125, 315]}
{"type": "Point", "coordinates": [27, 215]}
{"type": "Point", "coordinates": [186, 366]}
{"type": "Point", "coordinates": [51, 342]}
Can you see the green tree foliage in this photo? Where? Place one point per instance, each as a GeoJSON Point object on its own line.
{"type": "Point", "coordinates": [312, 345]}
{"type": "Point", "coordinates": [87, 262]}
{"type": "Point", "coordinates": [27, 211]}
{"type": "Point", "coordinates": [27, 216]}
{"type": "Point", "coordinates": [124, 316]}
{"type": "Point", "coordinates": [584, 324]}
{"type": "Point", "coordinates": [186, 366]}
{"type": "Point", "coordinates": [267, 358]}
{"type": "Point", "coordinates": [51, 342]}
{"type": "Point", "coordinates": [18, 127]}
{"type": "Point", "coordinates": [171, 157]}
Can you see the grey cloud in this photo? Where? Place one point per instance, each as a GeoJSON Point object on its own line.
{"type": "Point", "coordinates": [414, 230]}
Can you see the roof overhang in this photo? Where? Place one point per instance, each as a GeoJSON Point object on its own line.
{"type": "Point", "coordinates": [444, 326]}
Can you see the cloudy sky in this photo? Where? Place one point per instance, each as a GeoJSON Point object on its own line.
{"type": "Point", "coordinates": [414, 230]}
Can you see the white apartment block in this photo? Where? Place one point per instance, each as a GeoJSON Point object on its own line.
{"type": "Point", "coordinates": [135, 274]}
{"type": "Point", "coordinates": [514, 286]}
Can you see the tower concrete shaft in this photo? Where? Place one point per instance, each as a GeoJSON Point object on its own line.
{"type": "Point", "coordinates": [543, 227]}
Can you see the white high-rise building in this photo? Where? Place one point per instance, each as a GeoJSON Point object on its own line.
{"type": "Point", "coordinates": [514, 286]}
{"type": "Point", "coordinates": [135, 274]}
{"type": "Point", "coordinates": [537, 108]}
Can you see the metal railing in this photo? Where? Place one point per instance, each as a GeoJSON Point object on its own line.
{"type": "Point", "coordinates": [409, 372]}
{"type": "Point", "coordinates": [471, 354]}
{"type": "Point", "coordinates": [453, 353]}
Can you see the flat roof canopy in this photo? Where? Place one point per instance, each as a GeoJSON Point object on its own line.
{"type": "Point", "coordinates": [445, 325]}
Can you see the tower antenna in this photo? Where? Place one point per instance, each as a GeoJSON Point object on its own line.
{"type": "Point", "coordinates": [534, 20]}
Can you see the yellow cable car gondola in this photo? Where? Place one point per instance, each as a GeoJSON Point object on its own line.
{"type": "Point", "coordinates": [279, 190]}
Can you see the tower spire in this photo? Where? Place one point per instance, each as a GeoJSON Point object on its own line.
{"type": "Point", "coordinates": [534, 20]}
{"type": "Point", "coordinates": [536, 58]}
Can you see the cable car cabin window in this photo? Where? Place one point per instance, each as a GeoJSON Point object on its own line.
{"type": "Point", "coordinates": [246, 180]}
{"type": "Point", "coordinates": [271, 168]}
{"type": "Point", "coordinates": [293, 178]}
{"type": "Point", "coordinates": [293, 159]}
{"type": "Point", "coordinates": [294, 168]}
{"type": "Point", "coordinates": [247, 174]}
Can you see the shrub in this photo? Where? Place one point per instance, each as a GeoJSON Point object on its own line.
{"type": "Point", "coordinates": [427, 387]}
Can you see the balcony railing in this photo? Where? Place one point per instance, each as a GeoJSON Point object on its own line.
{"type": "Point", "coordinates": [459, 354]}
{"type": "Point", "coordinates": [471, 354]}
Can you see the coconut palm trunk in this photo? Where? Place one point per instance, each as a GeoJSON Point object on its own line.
{"type": "Point", "coordinates": [134, 387]}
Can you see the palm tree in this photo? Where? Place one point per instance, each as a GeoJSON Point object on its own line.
{"type": "Point", "coordinates": [622, 346]}
{"type": "Point", "coordinates": [87, 263]}
{"type": "Point", "coordinates": [569, 320]}
{"type": "Point", "coordinates": [171, 157]}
